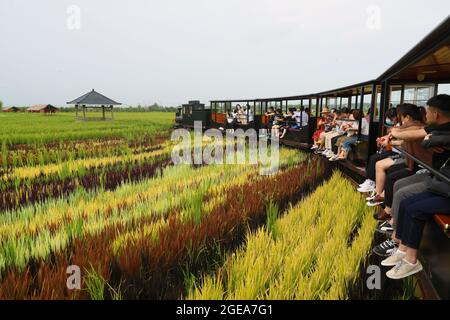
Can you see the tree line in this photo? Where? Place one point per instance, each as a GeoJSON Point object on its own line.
{"type": "Point", "coordinates": [152, 108]}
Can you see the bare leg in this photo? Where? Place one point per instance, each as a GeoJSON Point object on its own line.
{"type": "Point", "coordinates": [344, 155]}
{"type": "Point", "coordinates": [381, 168]}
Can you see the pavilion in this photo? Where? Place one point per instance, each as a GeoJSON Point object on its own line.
{"type": "Point", "coordinates": [94, 100]}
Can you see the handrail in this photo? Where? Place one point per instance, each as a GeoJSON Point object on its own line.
{"type": "Point", "coordinates": [435, 172]}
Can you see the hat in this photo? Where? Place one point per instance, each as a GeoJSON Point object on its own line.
{"type": "Point", "coordinates": [326, 110]}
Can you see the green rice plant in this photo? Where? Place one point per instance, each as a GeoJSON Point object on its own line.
{"type": "Point", "coordinates": [4, 154]}
{"type": "Point", "coordinates": [95, 285]}
{"type": "Point", "coordinates": [272, 216]}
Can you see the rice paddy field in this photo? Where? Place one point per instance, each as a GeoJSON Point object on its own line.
{"type": "Point", "coordinates": [107, 198]}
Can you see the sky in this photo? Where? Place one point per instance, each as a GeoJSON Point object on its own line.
{"type": "Point", "coordinates": [172, 51]}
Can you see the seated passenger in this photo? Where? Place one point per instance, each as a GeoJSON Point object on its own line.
{"type": "Point", "coordinates": [277, 123]}
{"type": "Point", "coordinates": [302, 118]}
{"type": "Point", "coordinates": [395, 166]}
{"type": "Point", "coordinates": [437, 139]}
{"type": "Point", "coordinates": [398, 172]}
{"type": "Point", "coordinates": [335, 128]}
{"type": "Point", "coordinates": [270, 114]}
{"type": "Point", "coordinates": [231, 120]}
{"type": "Point", "coordinates": [384, 151]}
{"type": "Point", "coordinates": [289, 123]}
{"type": "Point", "coordinates": [353, 136]}
{"type": "Point", "coordinates": [249, 113]}
{"type": "Point", "coordinates": [321, 123]}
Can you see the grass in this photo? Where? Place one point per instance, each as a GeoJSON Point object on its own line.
{"type": "Point", "coordinates": [26, 128]}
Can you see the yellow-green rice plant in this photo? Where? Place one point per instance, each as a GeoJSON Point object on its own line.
{"type": "Point", "coordinates": [312, 256]}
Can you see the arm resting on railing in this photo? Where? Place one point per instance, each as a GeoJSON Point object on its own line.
{"type": "Point", "coordinates": [433, 171]}
{"type": "Point", "coordinates": [409, 134]}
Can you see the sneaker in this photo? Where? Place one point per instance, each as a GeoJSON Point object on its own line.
{"type": "Point", "coordinates": [381, 215]}
{"type": "Point", "coordinates": [386, 248]}
{"type": "Point", "coordinates": [376, 201]}
{"type": "Point", "coordinates": [404, 269]}
{"type": "Point", "coordinates": [369, 187]}
{"type": "Point", "coordinates": [372, 195]}
{"type": "Point", "coordinates": [385, 228]}
{"type": "Point", "coordinates": [314, 147]}
{"type": "Point", "coordinates": [365, 183]}
{"type": "Point", "coordinates": [331, 155]}
{"type": "Point", "coordinates": [394, 259]}
{"type": "Point", "coordinates": [335, 158]}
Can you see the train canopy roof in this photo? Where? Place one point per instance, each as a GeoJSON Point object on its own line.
{"type": "Point", "coordinates": [429, 60]}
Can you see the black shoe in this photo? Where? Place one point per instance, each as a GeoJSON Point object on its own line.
{"type": "Point", "coordinates": [386, 248]}
{"type": "Point", "coordinates": [381, 215]}
{"type": "Point", "coordinates": [385, 228]}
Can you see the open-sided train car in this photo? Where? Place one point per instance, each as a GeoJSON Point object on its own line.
{"type": "Point", "coordinates": [422, 73]}
{"type": "Point", "coordinates": [295, 137]}
{"type": "Point", "coordinates": [249, 118]}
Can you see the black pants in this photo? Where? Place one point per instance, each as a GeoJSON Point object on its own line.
{"type": "Point", "coordinates": [414, 212]}
{"type": "Point", "coordinates": [333, 144]}
{"type": "Point", "coordinates": [395, 173]}
{"type": "Point", "coordinates": [371, 166]}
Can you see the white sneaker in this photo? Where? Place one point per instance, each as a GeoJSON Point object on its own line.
{"type": "Point", "coordinates": [374, 203]}
{"type": "Point", "coordinates": [367, 188]}
{"type": "Point", "coordinates": [373, 194]}
{"type": "Point", "coordinates": [404, 269]}
{"type": "Point", "coordinates": [396, 257]}
{"type": "Point", "coordinates": [365, 183]}
{"type": "Point", "coordinates": [331, 155]}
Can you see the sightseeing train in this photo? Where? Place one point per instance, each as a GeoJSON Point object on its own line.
{"type": "Point", "coordinates": [419, 75]}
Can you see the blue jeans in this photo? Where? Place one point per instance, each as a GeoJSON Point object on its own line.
{"type": "Point", "coordinates": [347, 145]}
{"type": "Point", "coordinates": [414, 212]}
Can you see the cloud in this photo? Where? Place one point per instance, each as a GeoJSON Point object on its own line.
{"type": "Point", "coordinates": [174, 50]}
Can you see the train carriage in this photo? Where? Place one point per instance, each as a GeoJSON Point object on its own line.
{"type": "Point", "coordinates": [422, 73]}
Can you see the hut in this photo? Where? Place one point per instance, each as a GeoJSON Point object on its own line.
{"type": "Point", "coordinates": [43, 108]}
{"type": "Point", "coordinates": [11, 109]}
{"type": "Point", "coordinates": [94, 100]}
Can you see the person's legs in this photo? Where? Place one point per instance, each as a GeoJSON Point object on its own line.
{"type": "Point", "coordinates": [347, 146]}
{"type": "Point", "coordinates": [334, 148]}
{"type": "Point", "coordinates": [328, 139]}
{"type": "Point", "coordinates": [339, 143]}
{"type": "Point", "coordinates": [391, 179]}
{"type": "Point", "coordinates": [381, 168]}
{"type": "Point", "coordinates": [370, 170]}
{"type": "Point", "coordinates": [406, 188]}
{"type": "Point", "coordinates": [414, 213]}
{"type": "Point", "coordinates": [275, 130]}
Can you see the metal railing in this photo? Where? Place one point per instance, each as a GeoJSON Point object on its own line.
{"type": "Point", "coordinates": [433, 171]}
